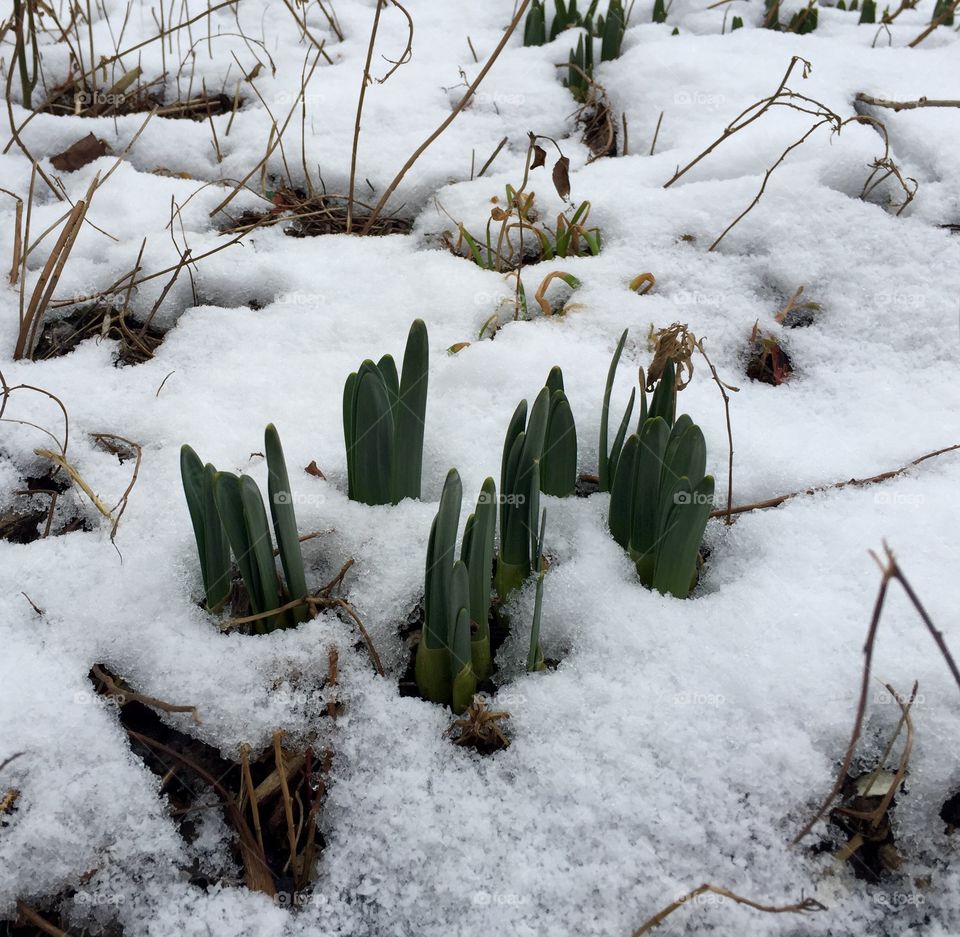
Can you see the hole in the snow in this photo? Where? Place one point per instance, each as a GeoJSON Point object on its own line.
{"type": "Point", "coordinates": [37, 509]}
{"type": "Point", "coordinates": [134, 97]}
{"type": "Point", "coordinates": [136, 342]}
{"type": "Point", "coordinates": [304, 215]}
{"type": "Point", "coordinates": [269, 803]}
{"type": "Point", "coordinates": [767, 361]}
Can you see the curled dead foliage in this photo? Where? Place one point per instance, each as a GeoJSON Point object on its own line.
{"type": "Point", "coordinates": [674, 343]}
{"type": "Point", "coordinates": [478, 727]}
{"type": "Point", "coordinates": [767, 360]}
{"type": "Point", "coordinates": [595, 119]}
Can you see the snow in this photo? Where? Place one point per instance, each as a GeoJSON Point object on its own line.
{"type": "Point", "coordinates": [679, 742]}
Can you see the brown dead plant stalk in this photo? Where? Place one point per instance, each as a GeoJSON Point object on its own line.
{"type": "Point", "coordinates": [890, 571]}
{"type": "Point", "coordinates": [458, 108]}
{"type": "Point", "coordinates": [724, 387]}
{"type": "Point", "coordinates": [850, 482]}
{"type": "Point", "coordinates": [804, 906]}
{"type": "Point", "coordinates": [883, 167]}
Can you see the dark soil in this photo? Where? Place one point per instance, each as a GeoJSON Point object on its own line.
{"type": "Point", "coordinates": [61, 336]}
{"type": "Point", "coordinates": [31, 515]}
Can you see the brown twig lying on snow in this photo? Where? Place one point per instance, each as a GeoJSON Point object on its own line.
{"type": "Point", "coordinates": [742, 120]}
{"type": "Point", "coordinates": [890, 570]}
{"type": "Point", "coordinates": [120, 691]}
{"type": "Point", "coordinates": [323, 599]}
{"type": "Point", "coordinates": [785, 97]}
{"type": "Point", "coordinates": [855, 482]}
{"type": "Point", "coordinates": [78, 479]}
{"type": "Point", "coordinates": [804, 906]}
{"type": "Point", "coordinates": [121, 505]}
{"type": "Point", "coordinates": [905, 105]}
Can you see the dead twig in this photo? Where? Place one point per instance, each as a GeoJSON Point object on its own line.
{"type": "Point", "coordinates": [78, 479]}
{"type": "Point", "coordinates": [804, 906]}
{"type": "Point", "coordinates": [364, 81]}
{"type": "Point", "coordinates": [121, 505]}
{"type": "Point", "coordinates": [257, 873]}
{"type": "Point", "coordinates": [287, 803]}
{"type": "Point", "coordinates": [726, 407]}
{"type": "Point", "coordinates": [656, 133]}
{"type": "Point", "coordinates": [875, 817]}
{"type": "Point", "coordinates": [890, 570]}
{"type": "Point", "coordinates": [269, 787]}
{"type": "Point", "coordinates": [461, 104]}
{"type": "Point", "coordinates": [5, 393]}
{"type": "Point", "coordinates": [945, 15]}
{"type": "Point", "coordinates": [15, 755]}
{"type": "Point", "coordinates": [43, 291]}
{"type": "Point", "coordinates": [247, 789]}
{"type": "Point", "coordinates": [905, 105]}
{"type": "Point", "coordinates": [371, 649]}
{"type": "Point", "coordinates": [120, 691]}
{"type": "Point", "coordinates": [32, 917]}
{"type": "Point", "coordinates": [854, 482]}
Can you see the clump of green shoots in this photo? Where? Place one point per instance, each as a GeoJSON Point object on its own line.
{"type": "Point", "coordinates": [868, 12]}
{"type": "Point", "coordinates": [228, 514]}
{"type": "Point", "coordinates": [454, 649]}
{"type": "Point", "coordinates": [660, 496]}
{"type": "Point", "coordinates": [502, 247]}
{"type": "Point", "coordinates": [477, 552]}
{"type": "Point", "coordinates": [383, 420]}
{"type": "Point", "coordinates": [608, 29]}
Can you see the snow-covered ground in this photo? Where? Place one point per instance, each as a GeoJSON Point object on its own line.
{"type": "Point", "coordinates": [679, 742]}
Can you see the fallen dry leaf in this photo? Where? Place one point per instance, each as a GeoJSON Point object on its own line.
{"type": "Point", "coordinates": [561, 177]}
{"type": "Point", "coordinates": [79, 154]}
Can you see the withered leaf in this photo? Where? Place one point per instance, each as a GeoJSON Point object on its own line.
{"type": "Point", "coordinates": [314, 469]}
{"type": "Point", "coordinates": [79, 154]}
{"type": "Point", "coordinates": [561, 177]}
{"type": "Point", "coordinates": [539, 157]}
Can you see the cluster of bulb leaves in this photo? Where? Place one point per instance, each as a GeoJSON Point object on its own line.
{"type": "Point", "coordinates": [609, 30]}
{"type": "Point", "coordinates": [228, 516]}
{"type": "Point", "coordinates": [539, 455]}
{"type": "Point", "coordinates": [384, 414]}
{"type": "Point", "coordinates": [660, 501]}
{"type": "Point", "coordinates": [660, 498]}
